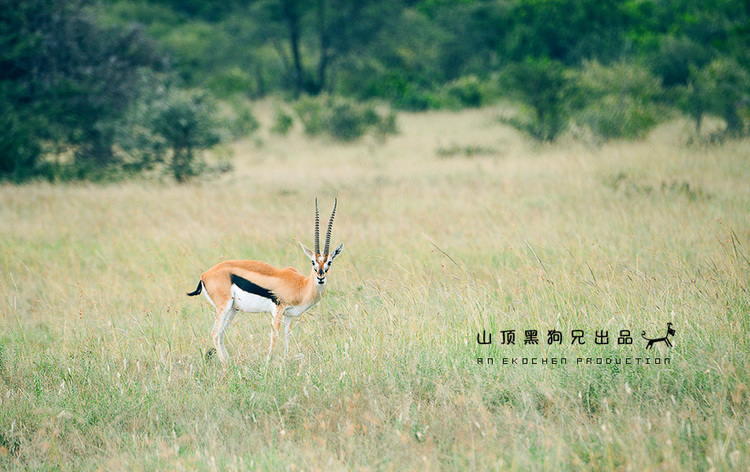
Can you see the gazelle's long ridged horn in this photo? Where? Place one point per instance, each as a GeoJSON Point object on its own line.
{"type": "Point", "coordinates": [330, 226]}
{"type": "Point", "coordinates": [317, 229]}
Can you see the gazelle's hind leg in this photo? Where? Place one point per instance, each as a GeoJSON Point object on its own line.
{"type": "Point", "coordinates": [223, 318]}
{"type": "Point", "coordinates": [212, 352]}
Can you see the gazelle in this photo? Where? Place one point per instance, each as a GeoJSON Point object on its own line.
{"type": "Point", "coordinates": [257, 287]}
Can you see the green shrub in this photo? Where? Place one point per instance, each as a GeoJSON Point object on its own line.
{"type": "Point", "coordinates": [282, 123]}
{"type": "Point", "coordinates": [721, 88]}
{"type": "Point", "coordinates": [185, 120]}
{"type": "Point", "coordinates": [386, 125]}
{"type": "Point", "coordinates": [619, 117]}
{"type": "Point", "coordinates": [467, 91]}
{"type": "Point", "coordinates": [675, 58]}
{"type": "Point", "coordinates": [595, 81]}
{"type": "Point", "coordinates": [168, 127]}
{"type": "Point", "coordinates": [310, 112]}
{"type": "Point", "coordinates": [238, 119]}
{"type": "Point", "coordinates": [400, 92]}
{"type": "Point", "coordinates": [343, 120]}
{"type": "Point", "coordinates": [346, 123]}
{"type": "Point", "coordinates": [541, 84]}
{"type": "Point", "coordinates": [20, 146]}
{"type": "Point", "coordinates": [232, 81]}
{"type": "Point", "coordinates": [616, 101]}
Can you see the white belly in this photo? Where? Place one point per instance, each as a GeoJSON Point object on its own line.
{"type": "Point", "coordinates": [251, 303]}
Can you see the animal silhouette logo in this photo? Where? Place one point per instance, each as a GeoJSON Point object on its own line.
{"type": "Point", "coordinates": [664, 339]}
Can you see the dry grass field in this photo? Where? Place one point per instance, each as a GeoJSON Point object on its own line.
{"type": "Point", "coordinates": [458, 225]}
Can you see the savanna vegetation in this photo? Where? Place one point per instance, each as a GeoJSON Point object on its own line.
{"type": "Point", "coordinates": [102, 89]}
{"type": "Point", "coordinates": [455, 226]}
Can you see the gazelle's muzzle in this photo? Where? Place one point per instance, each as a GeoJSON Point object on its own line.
{"type": "Point", "coordinates": [320, 274]}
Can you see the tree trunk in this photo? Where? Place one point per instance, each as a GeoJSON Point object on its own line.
{"type": "Point", "coordinates": [325, 44]}
{"type": "Point", "coordinates": [291, 15]}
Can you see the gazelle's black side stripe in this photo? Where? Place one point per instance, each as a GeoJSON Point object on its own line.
{"type": "Point", "coordinates": [249, 287]}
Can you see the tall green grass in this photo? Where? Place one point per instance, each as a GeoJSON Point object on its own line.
{"type": "Point", "coordinates": [102, 355]}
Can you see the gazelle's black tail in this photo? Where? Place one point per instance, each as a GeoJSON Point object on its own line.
{"type": "Point", "coordinates": [197, 290]}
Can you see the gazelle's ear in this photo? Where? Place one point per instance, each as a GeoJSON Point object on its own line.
{"type": "Point", "coordinates": [337, 251]}
{"type": "Point", "coordinates": [308, 252]}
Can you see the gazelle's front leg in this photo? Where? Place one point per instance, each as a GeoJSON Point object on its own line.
{"type": "Point", "coordinates": [276, 324]}
{"type": "Point", "coordinates": [287, 333]}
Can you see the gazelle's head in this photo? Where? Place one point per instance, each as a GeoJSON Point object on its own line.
{"type": "Point", "coordinates": [321, 262]}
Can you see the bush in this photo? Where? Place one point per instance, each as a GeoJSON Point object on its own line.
{"type": "Point", "coordinates": [619, 117]}
{"type": "Point", "coordinates": [616, 101]}
{"type": "Point", "coordinates": [542, 85]}
{"type": "Point", "coordinates": [467, 91]}
{"type": "Point", "coordinates": [236, 116]}
{"type": "Point", "coordinates": [346, 123]}
{"type": "Point", "coordinates": [676, 57]}
{"type": "Point", "coordinates": [311, 114]}
{"type": "Point", "coordinates": [20, 146]}
{"type": "Point", "coordinates": [721, 88]}
{"type": "Point", "coordinates": [343, 120]}
{"type": "Point", "coordinates": [168, 127]}
{"type": "Point", "coordinates": [595, 81]}
{"type": "Point", "coordinates": [232, 81]}
{"type": "Point", "coordinates": [283, 123]}
{"type": "Point", "coordinates": [399, 92]}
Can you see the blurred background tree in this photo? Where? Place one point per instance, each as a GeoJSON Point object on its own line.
{"type": "Point", "coordinates": [67, 84]}
{"type": "Point", "coordinates": [65, 81]}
